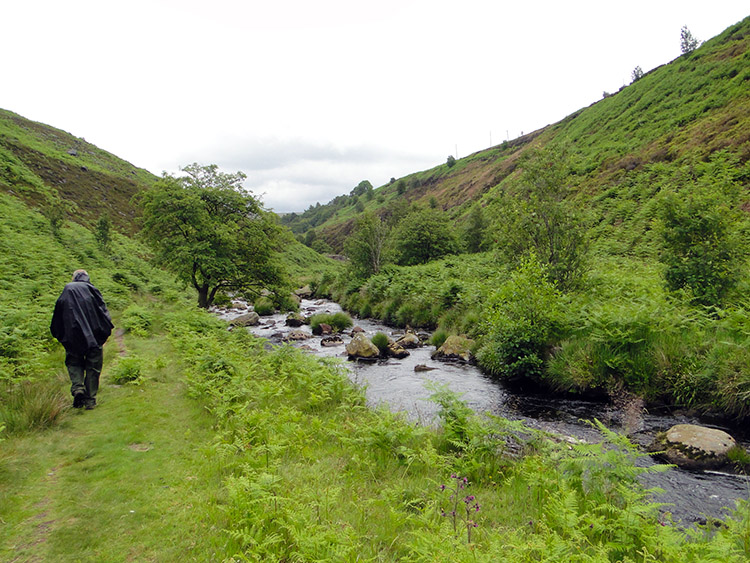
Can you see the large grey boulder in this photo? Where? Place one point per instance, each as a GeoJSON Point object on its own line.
{"type": "Point", "coordinates": [694, 447]}
{"type": "Point", "coordinates": [248, 319]}
{"type": "Point", "coordinates": [455, 348]}
{"type": "Point", "coordinates": [409, 340]}
{"type": "Point", "coordinates": [361, 347]}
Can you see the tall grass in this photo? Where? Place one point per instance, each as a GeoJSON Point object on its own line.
{"type": "Point", "coordinates": [34, 405]}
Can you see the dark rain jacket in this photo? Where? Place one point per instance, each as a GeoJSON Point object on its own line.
{"type": "Point", "coordinates": [81, 319]}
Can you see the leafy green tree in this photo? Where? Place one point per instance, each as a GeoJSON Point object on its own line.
{"type": "Point", "coordinates": [362, 188]}
{"type": "Point", "coordinates": [451, 161]}
{"type": "Point", "coordinates": [424, 235]}
{"type": "Point", "coordinates": [522, 319]}
{"type": "Point", "coordinates": [102, 232]}
{"type": "Point", "coordinates": [211, 232]}
{"type": "Point", "coordinates": [401, 187]}
{"type": "Point", "coordinates": [688, 43]}
{"type": "Point", "coordinates": [637, 74]}
{"type": "Point", "coordinates": [366, 246]}
{"type": "Point", "coordinates": [474, 230]}
{"type": "Point", "coordinates": [700, 249]}
{"type": "Point", "coordinates": [541, 219]}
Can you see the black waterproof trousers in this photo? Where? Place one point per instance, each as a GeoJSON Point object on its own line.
{"type": "Point", "coordinates": [84, 370]}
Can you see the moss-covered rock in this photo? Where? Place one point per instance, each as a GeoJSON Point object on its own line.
{"type": "Point", "coordinates": [694, 447]}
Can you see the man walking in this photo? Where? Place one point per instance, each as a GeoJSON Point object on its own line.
{"type": "Point", "coordinates": [82, 324]}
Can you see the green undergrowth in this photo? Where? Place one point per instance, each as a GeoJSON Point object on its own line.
{"type": "Point", "coordinates": [313, 474]}
{"type": "Point", "coordinates": [619, 330]}
{"type": "Point", "coordinates": [36, 265]}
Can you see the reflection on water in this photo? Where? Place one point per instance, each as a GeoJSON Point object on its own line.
{"type": "Point", "coordinates": [691, 496]}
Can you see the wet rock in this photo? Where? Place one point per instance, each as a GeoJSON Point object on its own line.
{"type": "Point", "coordinates": [455, 348]}
{"type": "Point", "coordinates": [321, 329]}
{"type": "Point", "coordinates": [357, 329]}
{"type": "Point", "coordinates": [248, 319]}
{"type": "Point", "coordinates": [409, 340]}
{"type": "Point", "coordinates": [694, 447]}
{"type": "Point", "coordinates": [304, 292]}
{"type": "Point", "coordinates": [334, 340]}
{"type": "Point", "coordinates": [396, 351]}
{"type": "Point", "coordinates": [294, 320]}
{"type": "Point", "coordinates": [297, 335]}
{"type": "Point", "coordinates": [360, 347]}
{"type": "Point", "coordinates": [423, 367]}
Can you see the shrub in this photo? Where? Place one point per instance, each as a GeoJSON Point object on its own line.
{"type": "Point", "coordinates": [438, 338]}
{"type": "Point", "coordinates": [700, 250]}
{"type": "Point", "coordinates": [137, 320]}
{"type": "Point", "coordinates": [520, 324]}
{"type": "Point", "coordinates": [33, 405]}
{"type": "Point", "coordinates": [381, 341]}
{"type": "Point", "coordinates": [338, 321]}
{"type": "Point", "coordinates": [263, 306]}
{"type": "Point", "coordinates": [127, 370]}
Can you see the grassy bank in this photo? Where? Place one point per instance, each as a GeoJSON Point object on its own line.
{"type": "Point", "coordinates": [128, 481]}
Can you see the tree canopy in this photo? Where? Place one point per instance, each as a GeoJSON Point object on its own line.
{"type": "Point", "coordinates": [212, 232]}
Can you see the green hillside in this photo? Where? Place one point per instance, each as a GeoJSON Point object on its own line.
{"type": "Point", "coordinates": [678, 113]}
{"type": "Point", "coordinates": [605, 254]}
{"type": "Point", "coordinates": [52, 169]}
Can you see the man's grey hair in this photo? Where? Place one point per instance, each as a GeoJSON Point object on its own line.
{"type": "Point", "coordinates": [79, 274]}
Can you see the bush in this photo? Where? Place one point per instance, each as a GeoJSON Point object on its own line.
{"type": "Point", "coordinates": [438, 338]}
{"type": "Point", "coordinates": [338, 321]}
{"type": "Point", "coordinates": [520, 324]}
{"type": "Point", "coordinates": [137, 320]}
{"type": "Point", "coordinates": [127, 370]}
{"type": "Point", "coordinates": [263, 306]}
{"type": "Point", "coordinates": [33, 405]}
{"type": "Point", "coordinates": [381, 341]}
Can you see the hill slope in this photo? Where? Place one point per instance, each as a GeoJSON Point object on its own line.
{"type": "Point", "coordinates": [683, 111]}
{"type": "Point", "coordinates": [49, 167]}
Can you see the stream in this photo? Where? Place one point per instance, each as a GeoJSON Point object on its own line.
{"type": "Point", "coordinates": [690, 496]}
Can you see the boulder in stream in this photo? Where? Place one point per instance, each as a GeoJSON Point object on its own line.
{"type": "Point", "coordinates": [304, 292]}
{"type": "Point", "coordinates": [294, 319]}
{"type": "Point", "coordinates": [333, 340]}
{"type": "Point", "coordinates": [423, 367]}
{"type": "Point", "coordinates": [455, 348]}
{"type": "Point", "coordinates": [360, 347]}
{"type": "Point", "coordinates": [396, 351]}
{"type": "Point", "coordinates": [248, 319]}
{"type": "Point", "coordinates": [297, 335]}
{"type": "Point", "coordinates": [691, 446]}
{"type": "Point", "coordinates": [322, 328]}
{"type": "Point", "coordinates": [409, 340]}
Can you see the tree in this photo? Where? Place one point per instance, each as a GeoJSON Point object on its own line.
{"type": "Point", "coordinates": [211, 232]}
{"type": "Point", "coordinates": [367, 244]}
{"type": "Point", "coordinates": [637, 74]}
{"type": "Point", "coordinates": [474, 230]}
{"type": "Point", "coordinates": [542, 219]}
{"type": "Point", "coordinates": [102, 232]}
{"type": "Point", "coordinates": [700, 251]}
{"type": "Point", "coordinates": [688, 43]}
{"type": "Point", "coordinates": [451, 161]}
{"type": "Point", "coordinates": [423, 235]}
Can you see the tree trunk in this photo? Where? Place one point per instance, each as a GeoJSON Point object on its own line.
{"type": "Point", "coordinates": [203, 300]}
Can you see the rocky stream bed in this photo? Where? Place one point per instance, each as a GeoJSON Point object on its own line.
{"type": "Point", "coordinates": [690, 496]}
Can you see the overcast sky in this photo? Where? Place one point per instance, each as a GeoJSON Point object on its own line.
{"type": "Point", "coordinates": [309, 98]}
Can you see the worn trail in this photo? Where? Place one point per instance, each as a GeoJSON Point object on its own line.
{"type": "Point", "coordinates": [132, 480]}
